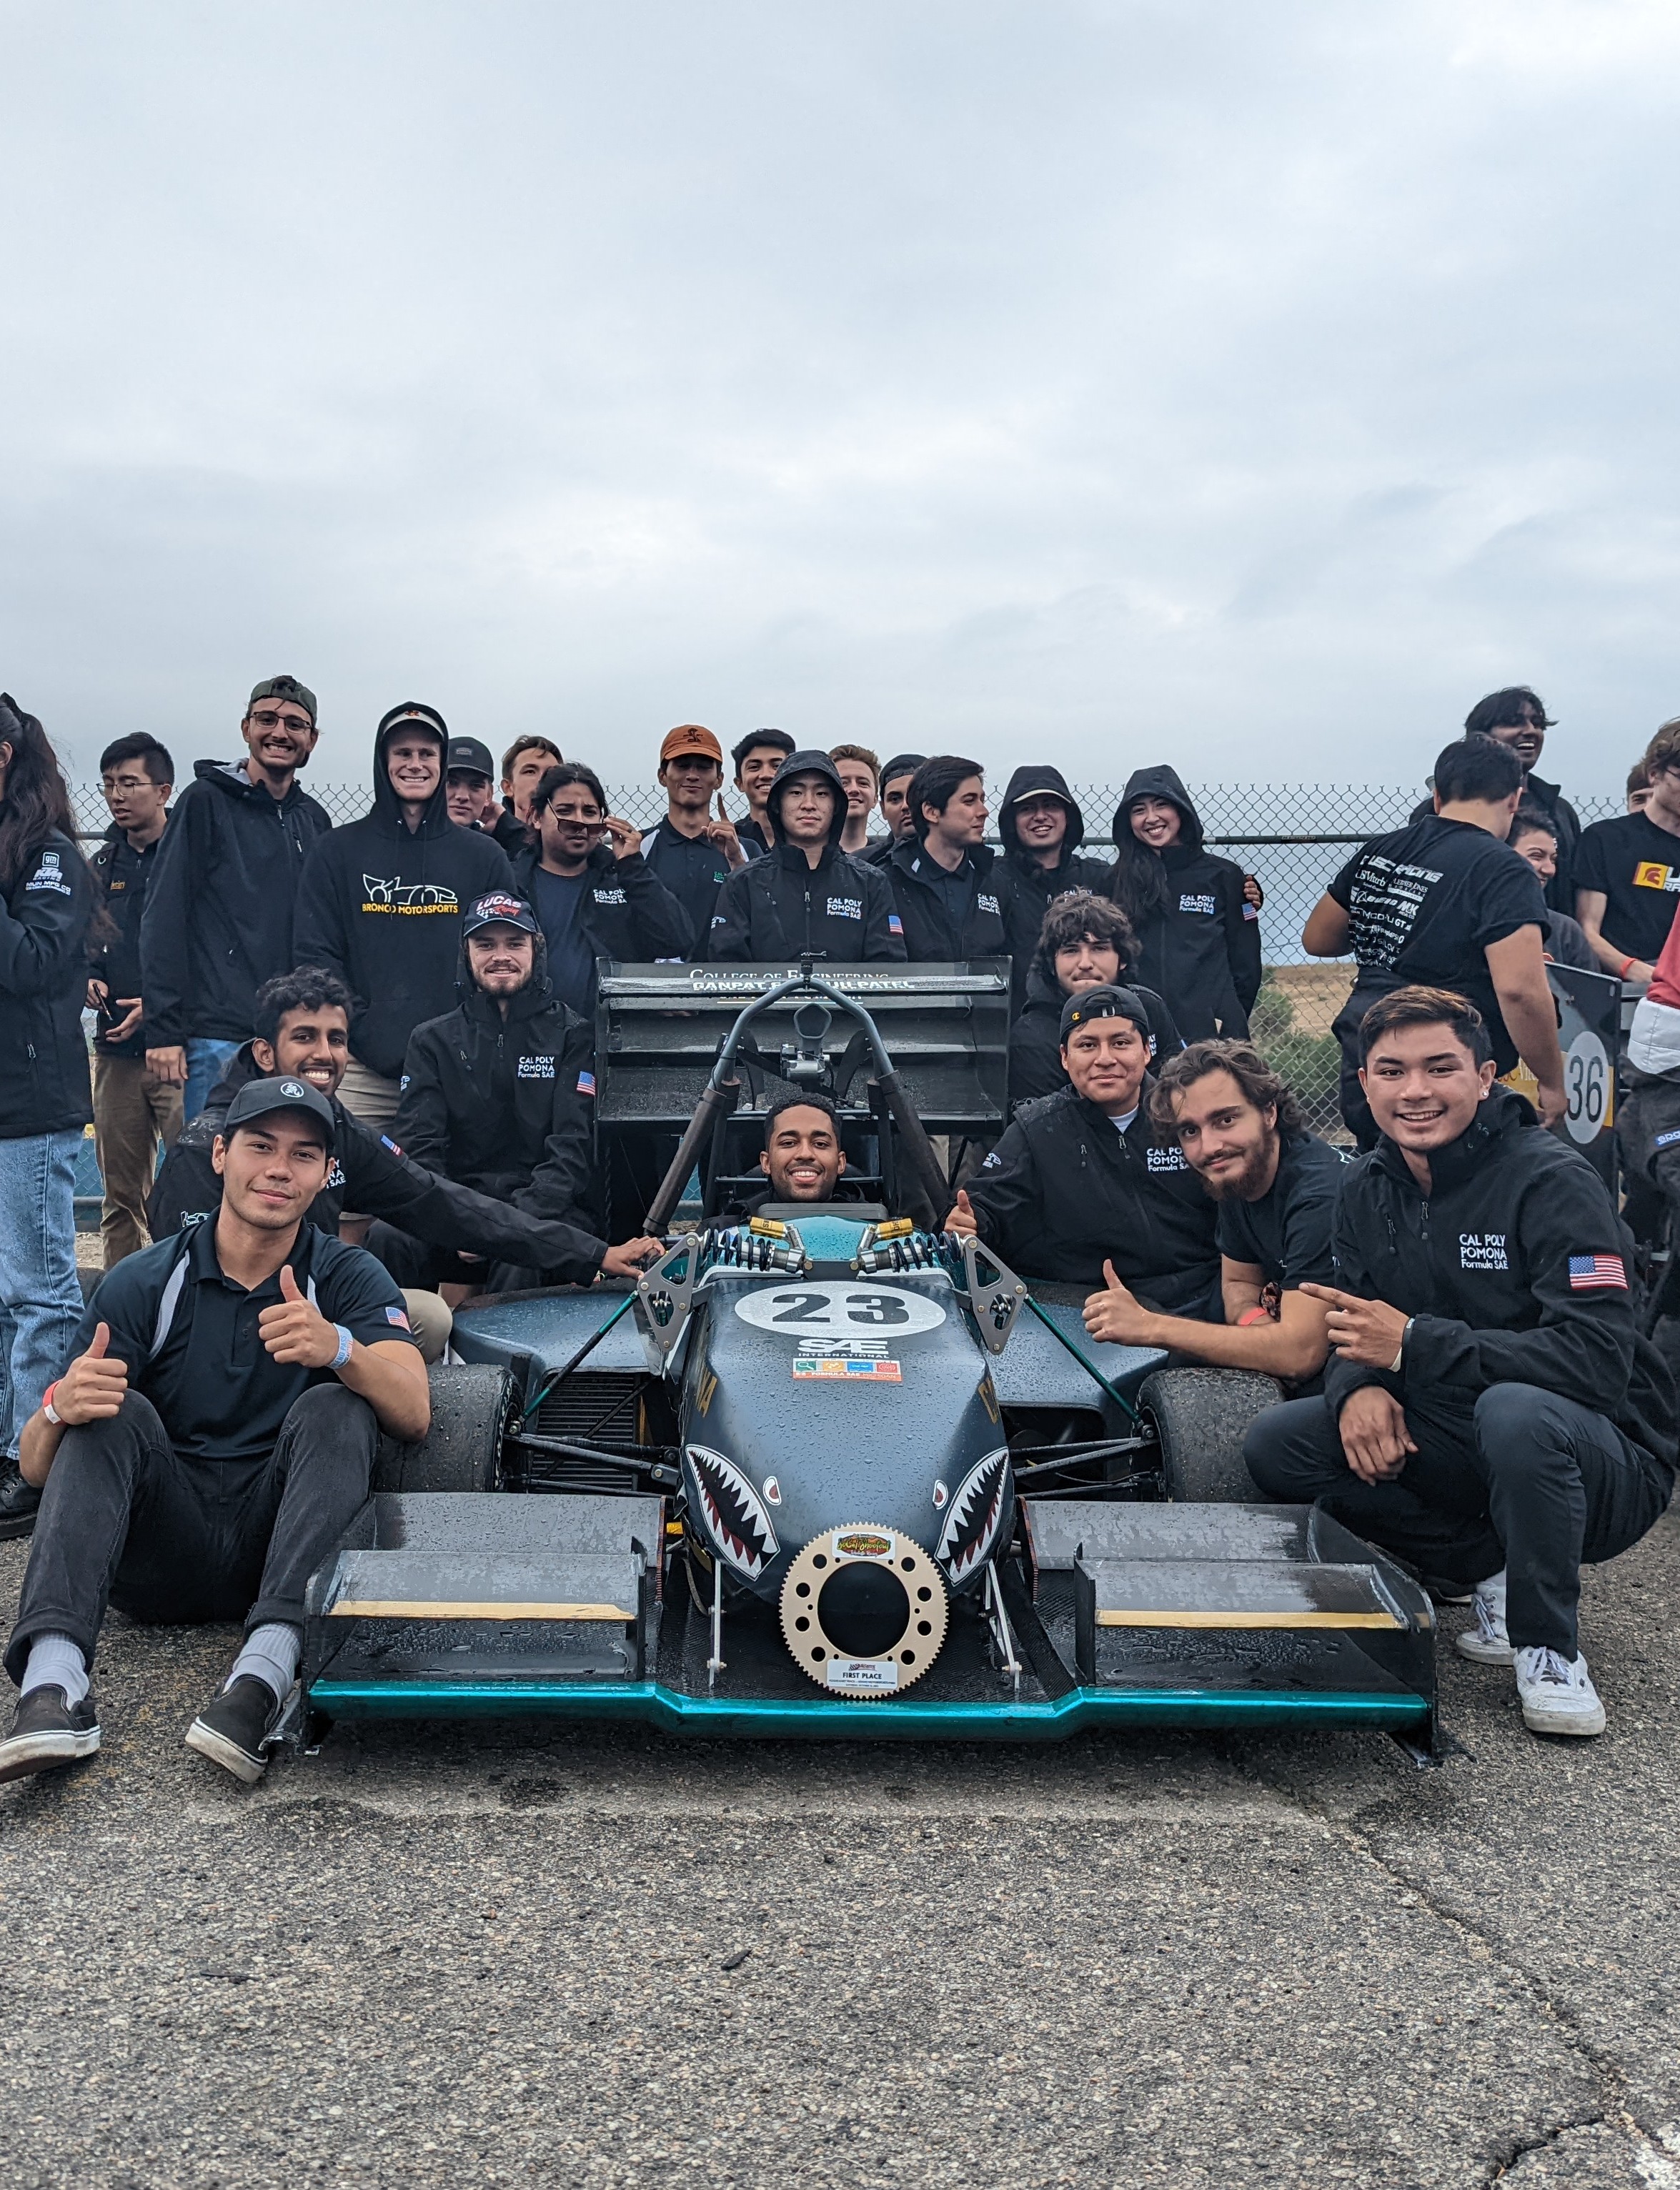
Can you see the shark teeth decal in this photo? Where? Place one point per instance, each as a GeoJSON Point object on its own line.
{"type": "Point", "coordinates": [975, 1511]}
{"type": "Point", "coordinates": [736, 1519]}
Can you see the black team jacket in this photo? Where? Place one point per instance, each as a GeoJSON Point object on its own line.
{"type": "Point", "coordinates": [984, 928]}
{"type": "Point", "coordinates": [373, 1173]}
{"type": "Point", "coordinates": [380, 905]}
{"type": "Point", "coordinates": [1515, 1271]}
{"type": "Point", "coordinates": [506, 1106]}
{"type": "Point", "coordinates": [1063, 1188]}
{"type": "Point", "coordinates": [220, 902]}
{"type": "Point", "coordinates": [44, 918]}
{"type": "Point", "coordinates": [1199, 947]}
{"type": "Point", "coordinates": [120, 875]}
{"type": "Point", "coordinates": [779, 906]}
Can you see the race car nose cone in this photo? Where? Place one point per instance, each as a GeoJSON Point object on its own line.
{"type": "Point", "coordinates": [863, 1609]}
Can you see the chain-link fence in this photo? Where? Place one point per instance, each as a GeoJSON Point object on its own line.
{"type": "Point", "coordinates": [1294, 837]}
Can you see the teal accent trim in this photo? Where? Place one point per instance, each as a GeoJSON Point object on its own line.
{"type": "Point", "coordinates": [826, 1718]}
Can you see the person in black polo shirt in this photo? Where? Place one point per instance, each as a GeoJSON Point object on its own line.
{"type": "Point", "coordinates": [692, 853]}
{"type": "Point", "coordinates": [1446, 903]}
{"type": "Point", "coordinates": [756, 759]}
{"type": "Point", "coordinates": [1077, 1184]}
{"type": "Point", "coordinates": [1628, 870]}
{"type": "Point", "coordinates": [211, 1441]}
{"type": "Point", "coordinates": [1242, 1133]}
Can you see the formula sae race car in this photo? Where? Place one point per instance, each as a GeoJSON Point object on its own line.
{"type": "Point", "coordinates": [829, 1471]}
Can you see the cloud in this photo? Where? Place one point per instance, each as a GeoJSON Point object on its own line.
{"type": "Point", "coordinates": [1248, 387]}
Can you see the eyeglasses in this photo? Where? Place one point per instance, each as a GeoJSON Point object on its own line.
{"type": "Point", "coordinates": [127, 783]}
{"type": "Point", "coordinates": [266, 718]}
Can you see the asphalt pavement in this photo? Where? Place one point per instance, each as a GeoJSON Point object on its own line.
{"type": "Point", "coordinates": [505, 1953]}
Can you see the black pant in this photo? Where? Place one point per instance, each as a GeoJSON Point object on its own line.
{"type": "Point", "coordinates": [1531, 1481]}
{"type": "Point", "coordinates": [125, 1520]}
{"type": "Point", "coordinates": [415, 1263]}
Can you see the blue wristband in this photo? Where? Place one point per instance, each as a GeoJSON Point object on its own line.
{"type": "Point", "coordinates": [345, 1342]}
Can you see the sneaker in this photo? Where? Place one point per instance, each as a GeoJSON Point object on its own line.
{"type": "Point", "coordinates": [234, 1730]}
{"type": "Point", "coordinates": [1487, 1642]}
{"type": "Point", "coordinates": [47, 1730]}
{"type": "Point", "coordinates": [1557, 1694]}
{"type": "Point", "coordinates": [18, 1502]}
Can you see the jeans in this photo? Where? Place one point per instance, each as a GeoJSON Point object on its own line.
{"type": "Point", "coordinates": [124, 1520]}
{"type": "Point", "coordinates": [1530, 1482]}
{"type": "Point", "coordinates": [206, 1061]}
{"type": "Point", "coordinates": [40, 1298]}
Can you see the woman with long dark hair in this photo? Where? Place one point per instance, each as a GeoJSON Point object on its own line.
{"type": "Point", "coordinates": [1198, 932]}
{"type": "Point", "coordinates": [46, 903]}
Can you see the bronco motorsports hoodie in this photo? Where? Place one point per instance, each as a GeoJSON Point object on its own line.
{"type": "Point", "coordinates": [1199, 941]}
{"type": "Point", "coordinates": [219, 912]}
{"type": "Point", "coordinates": [380, 906]}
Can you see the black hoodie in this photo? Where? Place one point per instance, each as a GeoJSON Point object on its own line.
{"type": "Point", "coordinates": [218, 913]}
{"type": "Point", "coordinates": [507, 1105]}
{"type": "Point", "coordinates": [1199, 940]}
{"type": "Point", "coordinates": [1507, 1269]}
{"type": "Point", "coordinates": [779, 906]}
{"type": "Point", "coordinates": [44, 920]}
{"type": "Point", "coordinates": [380, 906]}
{"type": "Point", "coordinates": [1036, 888]}
{"type": "Point", "coordinates": [372, 1172]}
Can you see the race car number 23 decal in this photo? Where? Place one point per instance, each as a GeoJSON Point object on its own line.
{"type": "Point", "coordinates": [862, 1311]}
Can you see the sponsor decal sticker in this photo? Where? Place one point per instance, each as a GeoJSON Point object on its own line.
{"type": "Point", "coordinates": [834, 1308]}
{"type": "Point", "coordinates": [863, 1544]}
{"type": "Point", "coordinates": [1652, 874]}
{"type": "Point", "coordinates": [848, 1369]}
{"type": "Point", "coordinates": [1597, 1274]}
{"type": "Point", "coordinates": [1481, 1250]}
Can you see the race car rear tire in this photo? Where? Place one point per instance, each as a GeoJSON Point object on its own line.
{"type": "Point", "coordinates": [1201, 1417]}
{"type": "Point", "coordinates": [471, 1408]}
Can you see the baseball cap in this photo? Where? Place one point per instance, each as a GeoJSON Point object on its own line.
{"type": "Point", "coordinates": [690, 737]}
{"type": "Point", "coordinates": [1104, 1003]}
{"type": "Point", "coordinates": [500, 905]}
{"type": "Point", "coordinates": [283, 688]}
{"type": "Point", "coordinates": [469, 752]}
{"type": "Point", "coordinates": [258, 1098]}
{"type": "Point", "coordinates": [414, 711]}
{"type": "Point", "coordinates": [901, 765]}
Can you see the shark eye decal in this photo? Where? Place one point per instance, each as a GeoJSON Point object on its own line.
{"type": "Point", "coordinates": [976, 1509]}
{"type": "Point", "coordinates": [735, 1516]}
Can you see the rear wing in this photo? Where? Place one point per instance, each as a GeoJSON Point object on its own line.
{"type": "Point", "coordinates": [659, 1028]}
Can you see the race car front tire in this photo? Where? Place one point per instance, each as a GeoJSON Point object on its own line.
{"type": "Point", "coordinates": [471, 1404]}
{"type": "Point", "coordinates": [1201, 1417]}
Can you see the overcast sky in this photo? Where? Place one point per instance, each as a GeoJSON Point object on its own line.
{"type": "Point", "coordinates": [1246, 385]}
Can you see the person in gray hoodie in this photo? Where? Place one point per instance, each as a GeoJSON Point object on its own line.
{"type": "Point", "coordinates": [1198, 934]}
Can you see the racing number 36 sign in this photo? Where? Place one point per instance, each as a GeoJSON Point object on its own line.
{"type": "Point", "coordinates": [1589, 1032]}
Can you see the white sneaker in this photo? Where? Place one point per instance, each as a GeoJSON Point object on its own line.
{"type": "Point", "coordinates": [1487, 1642]}
{"type": "Point", "coordinates": [1556, 1694]}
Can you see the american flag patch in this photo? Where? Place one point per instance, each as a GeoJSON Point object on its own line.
{"type": "Point", "coordinates": [400, 1317]}
{"type": "Point", "coordinates": [586, 1083]}
{"type": "Point", "coordinates": [1592, 1274]}
{"type": "Point", "coordinates": [386, 1142]}
{"type": "Point", "coordinates": [894, 925]}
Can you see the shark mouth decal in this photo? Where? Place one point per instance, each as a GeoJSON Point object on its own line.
{"type": "Point", "coordinates": [975, 1511]}
{"type": "Point", "coordinates": [736, 1519]}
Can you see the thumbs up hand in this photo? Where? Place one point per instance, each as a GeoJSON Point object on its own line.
{"type": "Point", "coordinates": [1116, 1316]}
{"type": "Point", "coordinates": [93, 1387]}
{"type": "Point", "coordinates": [962, 1218]}
{"type": "Point", "coordinates": [295, 1331]}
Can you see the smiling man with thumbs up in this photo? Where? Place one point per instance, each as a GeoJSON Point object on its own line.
{"type": "Point", "coordinates": [210, 1440]}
